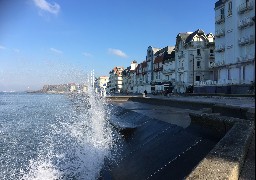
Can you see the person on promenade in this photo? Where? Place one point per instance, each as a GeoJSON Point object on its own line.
{"type": "Point", "coordinates": [145, 92]}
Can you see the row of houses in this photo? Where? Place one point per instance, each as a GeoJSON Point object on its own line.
{"type": "Point", "coordinates": [220, 63]}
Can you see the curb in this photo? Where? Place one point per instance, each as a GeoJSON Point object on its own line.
{"type": "Point", "coordinates": [226, 159]}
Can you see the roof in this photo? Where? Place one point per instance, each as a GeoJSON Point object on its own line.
{"type": "Point", "coordinates": [144, 64]}
{"type": "Point", "coordinates": [191, 36]}
{"type": "Point", "coordinates": [219, 3]}
{"type": "Point", "coordinates": [159, 59]}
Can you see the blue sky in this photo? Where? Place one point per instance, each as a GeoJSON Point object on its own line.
{"type": "Point", "coordinates": [59, 41]}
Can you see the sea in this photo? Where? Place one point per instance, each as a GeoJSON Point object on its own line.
{"type": "Point", "coordinates": [53, 136]}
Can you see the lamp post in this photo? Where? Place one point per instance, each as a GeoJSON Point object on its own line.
{"type": "Point", "coordinates": [193, 72]}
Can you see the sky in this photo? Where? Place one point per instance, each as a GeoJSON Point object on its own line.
{"type": "Point", "coordinates": [61, 41]}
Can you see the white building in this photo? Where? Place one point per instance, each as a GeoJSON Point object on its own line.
{"type": "Point", "coordinates": [193, 54]}
{"type": "Point", "coordinates": [235, 41]}
{"type": "Point", "coordinates": [128, 77]}
{"type": "Point", "coordinates": [102, 83]}
{"type": "Point", "coordinates": [115, 83]}
{"type": "Point", "coordinates": [141, 78]}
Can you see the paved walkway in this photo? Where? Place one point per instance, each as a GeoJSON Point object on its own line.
{"type": "Point", "coordinates": [232, 101]}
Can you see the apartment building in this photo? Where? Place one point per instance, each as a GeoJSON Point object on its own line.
{"type": "Point", "coordinates": [128, 77]}
{"type": "Point", "coordinates": [102, 82]}
{"type": "Point", "coordinates": [193, 54]}
{"type": "Point", "coordinates": [141, 78]}
{"type": "Point", "coordinates": [235, 42]}
{"type": "Point", "coordinates": [161, 74]}
{"type": "Point", "coordinates": [149, 68]}
{"type": "Point", "coordinates": [115, 83]}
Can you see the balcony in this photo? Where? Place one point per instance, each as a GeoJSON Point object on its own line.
{"type": "Point", "coordinates": [219, 64]}
{"type": "Point", "coordinates": [212, 56]}
{"type": "Point", "coordinates": [220, 48]}
{"type": "Point", "coordinates": [181, 55]}
{"type": "Point", "coordinates": [158, 69]}
{"type": "Point", "coordinates": [246, 40]}
{"type": "Point", "coordinates": [245, 7]}
{"type": "Point", "coordinates": [169, 70]}
{"type": "Point", "coordinates": [220, 19]}
{"type": "Point", "coordinates": [212, 64]}
{"type": "Point", "coordinates": [245, 22]}
{"type": "Point", "coordinates": [181, 69]}
{"type": "Point", "coordinates": [220, 32]}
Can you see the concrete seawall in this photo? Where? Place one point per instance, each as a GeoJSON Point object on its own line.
{"type": "Point", "coordinates": [227, 157]}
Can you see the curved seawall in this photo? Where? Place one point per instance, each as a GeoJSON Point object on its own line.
{"type": "Point", "coordinates": [153, 149]}
{"type": "Point", "coordinates": [213, 146]}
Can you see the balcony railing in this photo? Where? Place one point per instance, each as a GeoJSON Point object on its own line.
{"type": "Point", "coordinates": [212, 56]}
{"type": "Point", "coordinates": [220, 48]}
{"type": "Point", "coordinates": [246, 40]}
{"type": "Point", "coordinates": [245, 22]}
{"type": "Point", "coordinates": [169, 70]}
{"type": "Point", "coordinates": [219, 33]}
{"type": "Point", "coordinates": [181, 69]}
{"type": "Point", "coordinates": [158, 69]}
{"type": "Point", "coordinates": [181, 55]}
{"type": "Point", "coordinates": [245, 7]}
{"type": "Point", "coordinates": [220, 19]}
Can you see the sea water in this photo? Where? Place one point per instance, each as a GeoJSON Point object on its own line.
{"type": "Point", "coordinates": [45, 136]}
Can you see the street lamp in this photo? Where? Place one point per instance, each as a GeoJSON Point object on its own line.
{"type": "Point", "coordinates": [193, 72]}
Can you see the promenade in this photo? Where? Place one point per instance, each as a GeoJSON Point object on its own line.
{"type": "Point", "coordinates": [180, 116]}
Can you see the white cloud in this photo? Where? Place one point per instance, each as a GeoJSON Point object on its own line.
{"type": "Point", "coordinates": [2, 47]}
{"type": "Point", "coordinates": [56, 51]}
{"type": "Point", "coordinates": [117, 52]}
{"type": "Point", "coordinates": [53, 8]}
{"type": "Point", "coordinates": [86, 54]}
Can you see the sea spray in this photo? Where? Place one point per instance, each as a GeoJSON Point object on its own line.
{"type": "Point", "coordinates": [55, 137]}
{"type": "Point", "coordinates": [77, 148]}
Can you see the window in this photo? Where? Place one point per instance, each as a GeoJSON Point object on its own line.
{"type": "Point", "coordinates": [198, 52]}
{"type": "Point", "coordinates": [247, 3]}
{"type": "Point", "coordinates": [243, 73]}
{"type": "Point", "coordinates": [198, 63]}
{"type": "Point", "coordinates": [211, 50]}
{"type": "Point", "coordinates": [229, 76]}
{"type": "Point", "coordinates": [222, 15]}
{"type": "Point", "coordinates": [197, 78]}
{"type": "Point", "coordinates": [229, 8]}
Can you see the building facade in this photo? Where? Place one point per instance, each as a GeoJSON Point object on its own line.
{"type": "Point", "coordinates": [235, 42]}
{"type": "Point", "coordinates": [193, 56]}
{"type": "Point", "coordinates": [128, 78]}
{"type": "Point", "coordinates": [115, 83]}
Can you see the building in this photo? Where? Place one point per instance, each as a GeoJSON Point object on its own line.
{"type": "Point", "coordinates": [115, 83]}
{"type": "Point", "coordinates": [102, 84]}
{"type": "Point", "coordinates": [163, 58]}
{"type": "Point", "coordinates": [128, 77]}
{"type": "Point", "coordinates": [149, 68]}
{"type": "Point", "coordinates": [235, 44]}
{"type": "Point", "coordinates": [193, 54]}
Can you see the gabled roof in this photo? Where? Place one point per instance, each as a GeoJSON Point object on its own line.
{"type": "Point", "coordinates": [191, 36]}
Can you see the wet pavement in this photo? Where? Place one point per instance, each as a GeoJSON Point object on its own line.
{"type": "Point", "coordinates": [158, 143]}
